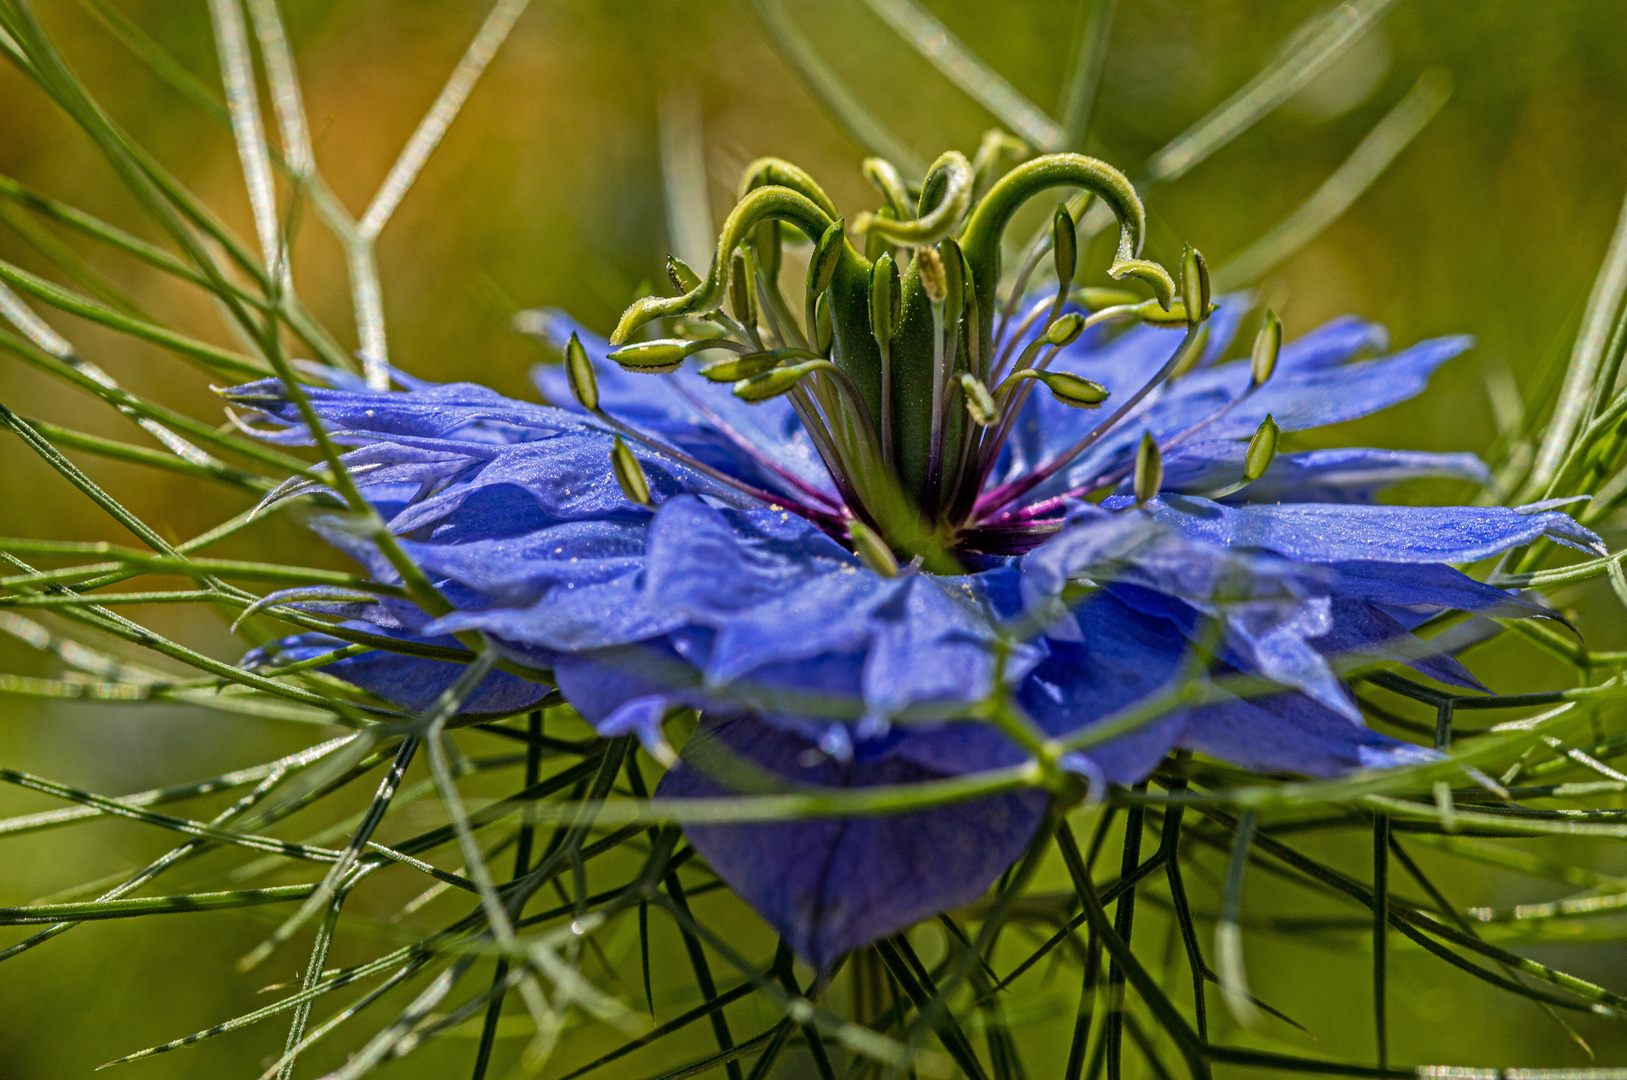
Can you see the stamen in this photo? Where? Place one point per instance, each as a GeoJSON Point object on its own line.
{"type": "Point", "coordinates": [821, 270]}
{"type": "Point", "coordinates": [1105, 306]}
{"type": "Point", "coordinates": [783, 380]}
{"type": "Point", "coordinates": [872, 549]}
{"type": "Point", "coordinates": [1071, 390]}
{"type": "Point", "coordinates": [780, 323]}
{"type": "Point", "coordinates": [834, 451]}
{"type": "Point", "coordinates": [1065, 255]}
{"type": "Point", "coordinates": [747, 447]}
{"type": "Point", "coordinates": [822, 518]}
{"type": "Point", "coordinates": [579, 373]}
{"type": "Point", "coordinates": [1263, 362]}
{"type": "Point", "coordinates": [1037, 249]}
{"type": "Point", "coordinates": [1063, 331]}
{"type": "Point", "coordinates": [935, 286]}
{"type": "Point", "coordinates": [1008, 493]}
{"type": "Point", "coordinates": [1194, 285]}
{"type": "Point", "coordinates": [1149, 469]}
{"type": "Point", "coordinates": [1262, 450]}
{"type": "Point", "coordinates": [1039, 307]}
{"type": "Point", "coordinates": [776, 381]}
{"type": "Point", "coordinates": [747, 365]}
{"type": "Point", "coordinates": [1267, 344]}
{"type": "Point", "coordinates": [629, 473]}
{"type": "Point", "coordinates": [885, 296]}
{"type": "Point", "coordinates": [785, 329]}
{"type": "Point", "coordinates": [980, 404]}
{"type": "Point", "coordinates": [824, 334]}
{"type": "Point", "coordinates": [665, 354]}
{"type": "Point", "coordinates": [1110, 479]}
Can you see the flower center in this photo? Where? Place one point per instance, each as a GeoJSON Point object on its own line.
{"type": "Point", "coordinates": [909, 361]}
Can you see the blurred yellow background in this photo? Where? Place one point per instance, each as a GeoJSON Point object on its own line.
{"type": "Point", "coordinates": [548, 191]}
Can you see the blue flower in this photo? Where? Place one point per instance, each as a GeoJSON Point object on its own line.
{"type": "Point", "coordinates": [828, 637]}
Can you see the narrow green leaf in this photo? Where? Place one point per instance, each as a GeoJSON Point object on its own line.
{"type": "Point", "coordinates": [213, 360]}
{"type": "Point", "coordinates": [963, 67]}
{"type": "Point", "coordinates": [1366, 163]}
{"type": "Point", "coordinates": [860, 124]}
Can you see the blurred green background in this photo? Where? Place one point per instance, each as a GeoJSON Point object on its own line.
{"type": "Point", "coordinates": [548, 190]}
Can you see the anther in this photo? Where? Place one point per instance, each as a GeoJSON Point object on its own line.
{"type": "Point", "coordinates": [629, 473]}
{"type": "Point", "coordinates": [745, 366]}
{"type": "Point", "coordinates": [656, 357]}
{"type": "Point", "coordinates": [579, 372]}
{"type": "Point", "coordinates": [1066, 387]}
{"type": "Point", "coordinates": [1064, 331]}
{"type": "Point", "coordinates": [1267, 344]}
{"type": "Point", "coordinates": [767, 244]}
{"type": "Point", "coordinates": [773, 383]}
{"type": "Point", "coordinates": [980, 404]}
{"type": "Point", "coordinates": [930, 267]}
{"type": "Point", "coordinates": [742, 293]}
{"type": "Point", "coordinates": [1194, 285]}
{"type": "Point", "coordinates": [1064, 249]}
{"type": "Point", "coordinates": [1262, 450]}
{"type": "Point", "coordinates": [824, 330]}
{"type": "Point", "coordinates": [884, 299]}
{"type": "Point", "coordinates": [871, 549]}
{"type": "Point", "coordinates": [1149, 476]}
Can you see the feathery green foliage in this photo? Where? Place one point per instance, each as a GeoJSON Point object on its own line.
{"type": "Point", "coordinates": [532, 858]}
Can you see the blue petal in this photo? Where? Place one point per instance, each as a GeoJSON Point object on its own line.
{"type": "Point", "coordinates": [568, 475]}
{"type": "Point", "coordinates": [697, 415]}
{"type": "Point", "coordinates": [412, 682]}
{"type": "Point", "coordinates": [601, 682]}
{"type": "Point", "coordinates": [471, 412]}
{"type": "Point", "coordinates": [1285, 649]}
{"type": "Point", "coordinates": [640, 717]}
{"type": "Point", "coordinates": [1408, 584]}
{"type": "Point", "coordinates": [518, 571]}
{"type": "Point", "coordinates": [831, 885]}
{"type": "Point", "coordinates": [787, 612]}
{"type": "Point", "coordinates": [1361, 629]}
{"type": "Point", "coordinates": [1121, 657]}
{"type": "Point", "coordinates": [1129, 359]}
{"type": "Point", "coordinates": [711, 567]}
{"type": "Point", "coordinates": [1333, 343]}
{"type": "Point", "coordinates": [1297, 400]}
{"type": "Point", "coordinates": [1346, 475]}
{"type": "Point", "coordinates": [1324, 533]}
{"type": "Point", "coordinates": [1277, 618]}
{"type": "Point", "coordinates": [596, 616]}
{"type": "Point", "coordinates": [1290, 733]}
{"type": "Point", "coordinates": [1137, 549]}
